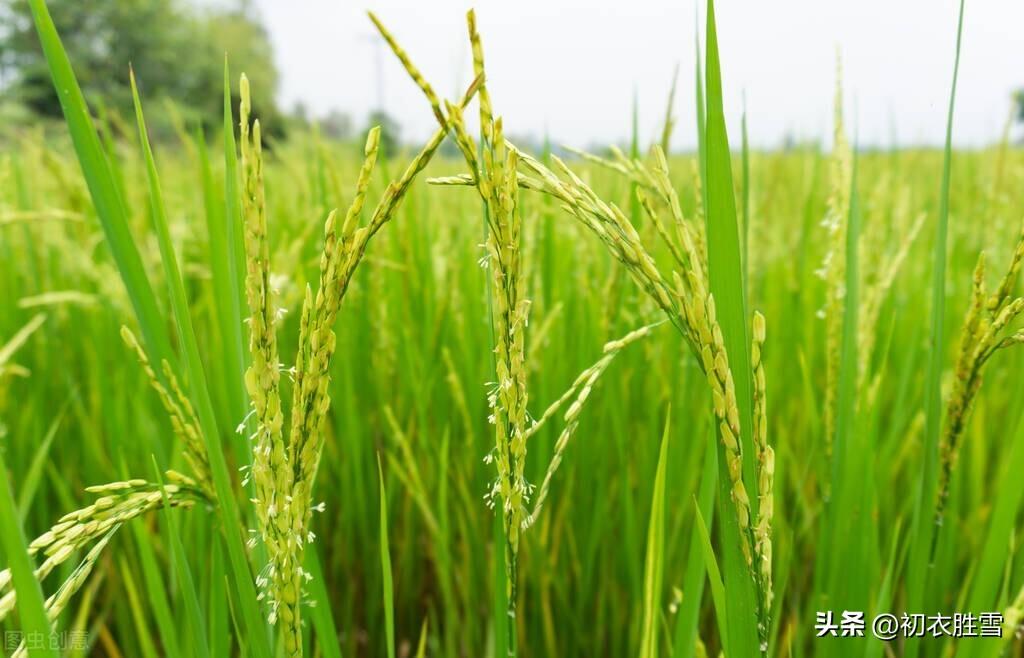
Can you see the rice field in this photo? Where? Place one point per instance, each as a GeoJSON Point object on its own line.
{"type": "Point", "coordinates": [267, 397]}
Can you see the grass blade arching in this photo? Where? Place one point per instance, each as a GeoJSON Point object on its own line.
{"type": "Point", "coordinates": [385, 568]}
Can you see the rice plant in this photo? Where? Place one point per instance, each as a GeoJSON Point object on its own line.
{"type": "Point", "coordinates": [547, 402]}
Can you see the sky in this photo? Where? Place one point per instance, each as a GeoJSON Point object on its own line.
{"type": "Point", "coordinates": [570, 68]}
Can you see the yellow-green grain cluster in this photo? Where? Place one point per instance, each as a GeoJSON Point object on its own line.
{"type": "Point", "coordinates": [179, 410]}
{"type": "Point", "coordinates": [985, 332]}
{"type": "Point", "coordinates": [271, 472]}
{"type": "Point", "coordinates": [765, 462]}
{"type": "Point", "coordinates": [578, 392]}
{"type": "Point", "coordinates": [119, 502]}
{"type": "Point", "coordinates": [284, 467]}
{"type": "Point", "coordinates": [58, 601]}
{"type": "Point", "coordinates": [494, 173]}
{"type": "Point", "coordinates": [691, 308]}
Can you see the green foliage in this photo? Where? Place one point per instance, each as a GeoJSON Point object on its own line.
{"type": "Point", "coordinates": [175, 49]}
{"type": "Point", "coordinates": [602, 574]}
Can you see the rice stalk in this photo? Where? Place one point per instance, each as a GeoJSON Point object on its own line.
{"type": "Point", "coordinates": [494, 167]}
{"type": "Point", "coordinates": [691, 309]}
{"type": "Point", "coordinates": [985, 331]}
{"type": "Point", "coordinates": [284, 467]}
{"type": "Point", "coordinates": [179, 409]}
{"type": "Point", "coordinates": [874, 296]}
{"type": "Point", "coordinates": [578, 392]}
{"type": "Point", "coordinates": [15, 343]}
{"type": "Point", "coordinates": [833, 267]}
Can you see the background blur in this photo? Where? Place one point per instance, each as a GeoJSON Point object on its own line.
{"type": "Point", "coordinates": [415, 341]}
{"type": "Point", "coordinates": [320, 60]}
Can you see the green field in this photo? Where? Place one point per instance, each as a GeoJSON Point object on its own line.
{"type": "Point", "coordinates": [887, 477]}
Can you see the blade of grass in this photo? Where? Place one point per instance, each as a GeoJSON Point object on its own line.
{"type": "Point", "coordinates": [231, 259]}
{"type": "Point", "coordinates": [718, 596]}
{"type": "Point", "coordinates": [883, 602]}
{"type": "Point", "coordinates": [385, 567]}
{"type": "Point", "coordinates": [923, 527]}
{"type": "Point", "coordinates": [223, 284]}
{"type": "Point", "coordinates": [217, 609]}
{"type": "Point", "coordinates": [30, 482]}
{"type": "Point", "coordinates": [31, 608]}
{"type": "Point", "coordinates": [195, 626]}
{"type": "Point", "coordinates": [320, 608]}
{"type": "Point", "coordinates": [153, 578]}
{"type": "Point", "coordinates": [985, 590]}
{"type": "Point", "coordinates": [102, 187]}
{"type": "Point", "coordinates": [421, 650]}
{"type": "Point", "coordinates": [847, 516]}
{"type": "Point", "coordinates": [256, 635]}
{"type": "Point", "coordinates": [145, 639]}
{"type": "Point", "coordinates": [654, 563]}
{"type": "Point", "coordinates": [726, 282]}
{"type": "Point", "coordinates": [685, 642]}
{"type": "Point", "coordinates": [156, 591]}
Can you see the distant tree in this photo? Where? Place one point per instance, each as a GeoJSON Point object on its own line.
{"type": "Point", "coordinates": [390, 132]}
{"type": "Point", "coordinates": [245, 41]}
{"type": "Point", "coordinates": [1018, 99]}
{"type": "Point", "coordinates": [176, 52]}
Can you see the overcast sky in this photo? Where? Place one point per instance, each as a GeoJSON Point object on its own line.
{"type": "Point", "coordinates": [570, 67]}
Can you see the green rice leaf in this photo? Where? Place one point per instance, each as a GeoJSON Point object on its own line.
{"type": "Point", "coordinates": [156, 592]}
{"type": "Point", "coordinates": [685, 641]}
{"type": "Point", "coordinates": [183, 571]}
{"type": "Point", "coordinates": [654, 563]}
{"type": "Point", "coordinates": [715, 580]}
{"type": "Point", "coordinates": [726, 280]}
{"type": "Point", "coordinates": [385, 567]}
{"type": "Point", "coordinates": [320, 607]}
{"type": "Point", "coordinates": [103, 187]}
{"type": "Point", "coordinates": [35, 470]}
{"type": "Point", "coordinates": [34, 619]}
{"type": "Point", "coordinates": [923, 527]}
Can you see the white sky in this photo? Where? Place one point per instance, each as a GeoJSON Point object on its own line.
{"type": "Point", "coordinates": [570, 66]}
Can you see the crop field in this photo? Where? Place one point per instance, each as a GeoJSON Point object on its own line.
{"type": "Point", "coordinates": [282, 397]}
